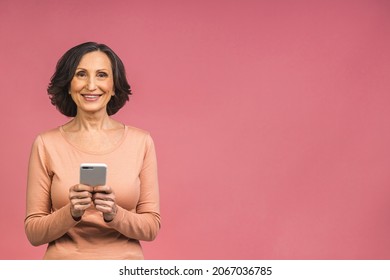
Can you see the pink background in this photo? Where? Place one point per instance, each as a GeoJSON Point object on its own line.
{"type": "Point", "coordinates": [271, 119]}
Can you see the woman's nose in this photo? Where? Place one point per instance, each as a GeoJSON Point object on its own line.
{"type": "Point", "coordinates": [91, 85]}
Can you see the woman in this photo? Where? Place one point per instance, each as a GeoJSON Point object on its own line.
{"type": "Point", "coordinates": [92, 222]}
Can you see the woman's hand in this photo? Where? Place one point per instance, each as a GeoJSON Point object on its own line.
{"type": "Point", "coordinates": [80, 197]}
{"type": "Point", "coordinates": [104, 200]}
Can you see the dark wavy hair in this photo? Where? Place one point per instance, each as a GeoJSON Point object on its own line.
{"type": "Point", "coordinates": [59, 85]}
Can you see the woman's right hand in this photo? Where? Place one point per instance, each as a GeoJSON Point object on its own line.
{"type": "Point", "coordinates": [80, 197]}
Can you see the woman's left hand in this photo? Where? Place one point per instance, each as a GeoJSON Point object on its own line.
{"type": "Point", "coordinates": [104, 200]}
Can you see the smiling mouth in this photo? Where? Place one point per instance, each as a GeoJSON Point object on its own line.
{"type": "Point", "coordinates": [91, 97]}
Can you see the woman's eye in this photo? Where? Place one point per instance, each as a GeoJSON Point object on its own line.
{"type": "Point", "coordinates": [81, 74]}
{"type": "Point", "coordinates": [102, 75]}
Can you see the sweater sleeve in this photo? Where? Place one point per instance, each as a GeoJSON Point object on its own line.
{"type": "Point", "coordinates": [41, 224]}
{"type": "Point", "coordinates": [143, 224]}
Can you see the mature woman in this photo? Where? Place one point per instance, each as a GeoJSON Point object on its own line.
{"type": "Point", "coordinates": [92, 222]}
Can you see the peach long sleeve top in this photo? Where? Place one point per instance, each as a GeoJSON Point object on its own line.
{"type": "Point", "coordinates": [132, 173]}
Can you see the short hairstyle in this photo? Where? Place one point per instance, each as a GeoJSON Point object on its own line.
{"type": "Point", "coordinates": [59, 85]}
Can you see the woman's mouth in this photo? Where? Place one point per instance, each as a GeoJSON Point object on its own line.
{"type": "Point", "coordinates": [91, 97]}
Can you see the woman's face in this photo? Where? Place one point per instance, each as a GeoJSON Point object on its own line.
{"type": "Point", "coordinates": [92, 85]}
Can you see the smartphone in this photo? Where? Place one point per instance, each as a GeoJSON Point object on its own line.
{"type": "Point", "coordinates": [93, 174]}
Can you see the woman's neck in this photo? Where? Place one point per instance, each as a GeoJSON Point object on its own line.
{"type": "Point", "coordinates": [91, 122]}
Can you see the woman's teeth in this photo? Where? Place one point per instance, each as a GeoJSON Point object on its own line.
{"type": "Point", "coordinates": [90, 97]}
